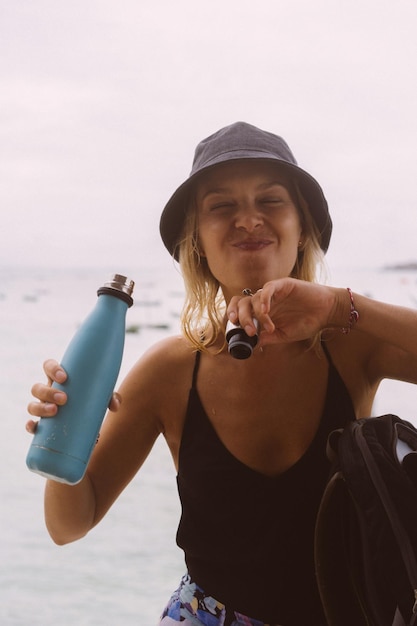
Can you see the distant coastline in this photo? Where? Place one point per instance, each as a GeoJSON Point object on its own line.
{"type": "Point", "coordinates": [411, 266]}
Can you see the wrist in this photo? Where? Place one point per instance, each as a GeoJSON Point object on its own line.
{"type": "Point", "coordinates": [344, 314]}
{"type": "Point", "coordinates": [353, 314]}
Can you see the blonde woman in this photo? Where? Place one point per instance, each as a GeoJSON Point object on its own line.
{"type": "Point", "coordinates": [247, 436]}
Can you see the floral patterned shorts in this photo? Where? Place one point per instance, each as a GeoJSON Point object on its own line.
{"type": "Point", "coordinates": [190, 606]}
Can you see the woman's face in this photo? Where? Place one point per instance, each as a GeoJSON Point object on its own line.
{"type": "Point", "coordinates": [249, 228]}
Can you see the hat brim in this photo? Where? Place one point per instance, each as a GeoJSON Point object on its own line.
{"type": "Point", "coordinates": [175, 211]}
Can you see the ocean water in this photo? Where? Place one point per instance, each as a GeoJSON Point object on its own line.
{"type": "Point", "coordinates": [124, 571]}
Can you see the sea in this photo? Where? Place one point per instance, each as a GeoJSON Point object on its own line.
{"type": "Point", "coordinates": [125, 570]}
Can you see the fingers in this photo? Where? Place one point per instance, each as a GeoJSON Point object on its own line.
{"type": "Point", "coordinates": [54, 371]}
{"type": "Point", "coordinates": [286, 309]}
{"type": "Point", "coordinates": [31, 426]}
{"type": "Point", "coordinates": [243, 310]}
{"type": "Point", "coordinates": [115, 402]}
{"type": "Point", "coordinates": [48, 398]}
{"type": "Point", "coordinates": [48, 401]}
{"type": "Point", "coordinates": [240, 312]}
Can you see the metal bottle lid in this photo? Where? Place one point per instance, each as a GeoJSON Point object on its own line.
{"type": "Point", "coordinates": [120, 286]}
{"type": "Point", "coordinates": [121, 283]}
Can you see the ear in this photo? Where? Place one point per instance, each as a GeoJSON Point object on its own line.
{"type": "Point", "coordinates": [301, 241]}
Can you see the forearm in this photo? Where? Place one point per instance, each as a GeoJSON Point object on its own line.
{"type": "Point", "coordinates": [69, 510]}
{"type": "Point", "coordinates": [386, 322]}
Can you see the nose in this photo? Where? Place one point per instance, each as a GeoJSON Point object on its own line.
{"type": "Point", "coordinates": [248, 217]}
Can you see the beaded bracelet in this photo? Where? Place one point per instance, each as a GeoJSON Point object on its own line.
{"type": "Point", "coordinates": [353, 315]}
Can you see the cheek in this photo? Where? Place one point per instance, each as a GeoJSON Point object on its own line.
{"type": "Point", "coordinates": [208, 238]}
{"type": "Point", "coordinates": [294, 226]}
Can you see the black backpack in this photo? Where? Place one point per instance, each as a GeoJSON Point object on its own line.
{"type": "Point", "coordinates": [366, 531]}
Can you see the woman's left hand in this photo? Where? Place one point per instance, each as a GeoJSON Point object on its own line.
{"type": "Point", "coordinates": [287, 310]}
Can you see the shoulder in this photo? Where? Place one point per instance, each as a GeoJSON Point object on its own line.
{"type": "Point", "coordinates": [165, 372]}
{"type": "Point", "coordinates": [161, 378]}
{"type": "Point", "coordinates": [173, 354]}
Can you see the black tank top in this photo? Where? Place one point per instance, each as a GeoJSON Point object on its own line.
{"type": "Point", "coordinates": [247, 537]}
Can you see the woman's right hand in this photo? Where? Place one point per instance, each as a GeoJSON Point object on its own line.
{"type": "Point", "coordinates": [48, 398]}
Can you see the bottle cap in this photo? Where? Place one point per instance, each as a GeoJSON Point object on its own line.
{"type": "Point", "coordinates": [120, 283]}
{"type": "Point", "coordinates": [120, 287]}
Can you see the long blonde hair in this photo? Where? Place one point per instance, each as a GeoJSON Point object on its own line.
{"type": "Point", "coordinates": [202, 317]}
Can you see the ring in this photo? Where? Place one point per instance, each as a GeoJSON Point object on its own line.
{"type": "Point", "coordinates": [247, 292]}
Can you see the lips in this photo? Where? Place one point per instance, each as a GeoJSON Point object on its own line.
{"type": "Point", "coordinates": [252, 244]}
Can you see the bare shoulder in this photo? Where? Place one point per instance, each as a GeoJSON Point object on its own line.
{"type": "Point", "coordinates": [159, 382]}
{"type": "Point", "coordinates": [167, 360]}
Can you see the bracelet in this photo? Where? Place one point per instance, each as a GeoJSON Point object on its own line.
{"type": "Point", "coordinates": [353, 315]}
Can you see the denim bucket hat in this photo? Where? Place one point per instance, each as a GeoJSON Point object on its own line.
{"type": "Point", "coordinates": [241, 141]}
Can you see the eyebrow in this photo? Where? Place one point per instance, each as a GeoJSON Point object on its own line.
{"type": "Point", "coordinates": [280, 183]}
{"type": "Point", "coordinates": [262, 186]}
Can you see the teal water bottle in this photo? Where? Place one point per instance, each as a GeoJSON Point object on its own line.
{"type": "Point", "coordinates": [62, 445]}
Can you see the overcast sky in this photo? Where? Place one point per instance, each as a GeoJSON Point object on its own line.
{"type": "Point", "coordinates": [103, 102]}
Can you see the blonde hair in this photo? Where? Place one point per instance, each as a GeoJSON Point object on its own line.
{"type": "Point", "coordinates": [202, 317]}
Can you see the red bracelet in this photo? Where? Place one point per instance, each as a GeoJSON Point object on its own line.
{"type": "Point", "coordinates": [353, 315]}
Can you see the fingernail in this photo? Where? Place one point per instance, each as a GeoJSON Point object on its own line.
{"type": "Point", "coordinates": [59, 397]}
{"type": "Point", "coordinates": [49, 407]}
{"type": "Point", "coordinates": [60, 376]}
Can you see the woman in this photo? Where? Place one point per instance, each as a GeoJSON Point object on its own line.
{"type": "Point", "coordinates": [247, 436]}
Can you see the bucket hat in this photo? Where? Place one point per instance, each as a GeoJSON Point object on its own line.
{"type": "Point", "coordinates": [242, 141]}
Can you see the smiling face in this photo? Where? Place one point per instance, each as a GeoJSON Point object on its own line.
{"type": "Point", "coordinates": [249, 228]}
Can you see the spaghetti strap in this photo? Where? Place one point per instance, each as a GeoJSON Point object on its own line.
{"type": "Point", "coordinates": [195, 370]}
{"type": "Point", "coordinates": [326, 352]}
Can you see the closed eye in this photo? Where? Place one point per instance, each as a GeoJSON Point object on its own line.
{"type": "Point", "coordinates": [220, 205]}
{"type": "Point", "coordinates": [272, 201]}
